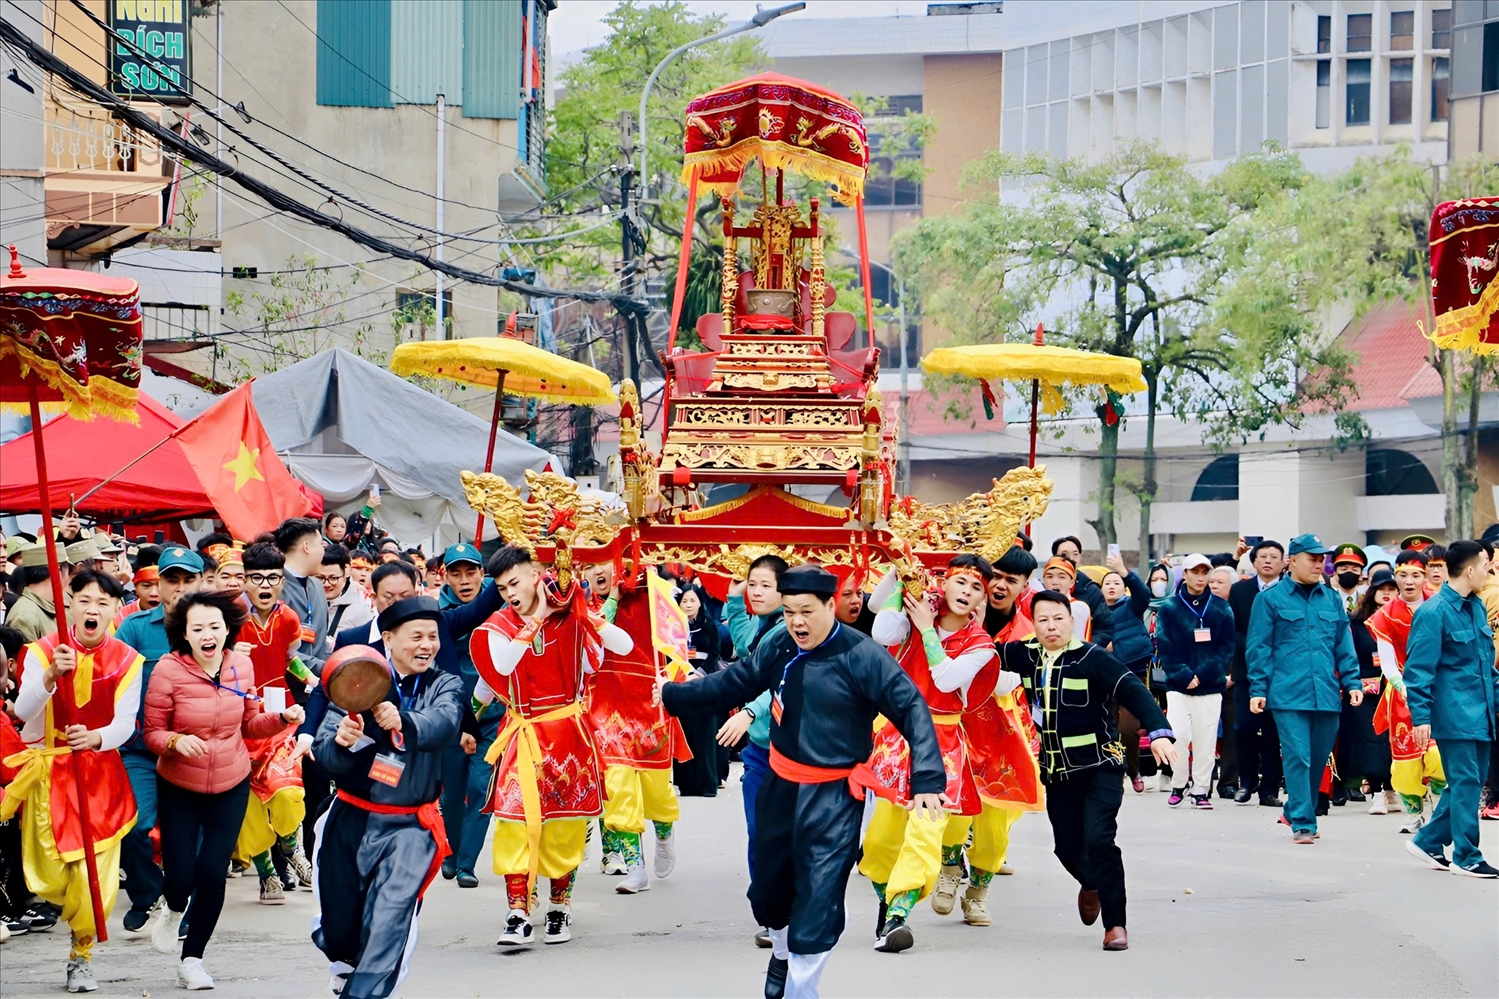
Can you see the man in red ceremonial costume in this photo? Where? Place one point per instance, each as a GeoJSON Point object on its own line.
{"type": "Point", "coordinates": [533, 654]}
{"type": "Point", "coordinates": [636, 740]}
{"type": "Point", "coordinates": [1001, 734]}
{"type": "Point", "coordinates": [1412, 768]}
{"type": "Point", "coordinates": [147, 583]}
{"type": "Point", "coordinates": [71, 749]}
{"type": "Point", "coordinates": [944, 652]}
{"type": "Point", "coordinates": [271, 637]}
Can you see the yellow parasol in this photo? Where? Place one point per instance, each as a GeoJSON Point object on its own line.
{"type": "Point", "coordinates": [1045, 367]}
{"type": "Point", "coordinates": [506, 364]}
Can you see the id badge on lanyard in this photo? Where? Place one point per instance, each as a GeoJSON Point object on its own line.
{"type": "Point", "coordinates": [388, 767]}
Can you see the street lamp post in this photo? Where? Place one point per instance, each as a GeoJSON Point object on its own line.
{"type": "Point", "coordinates": [761, 18]}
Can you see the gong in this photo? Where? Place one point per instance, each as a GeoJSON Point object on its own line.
{"type": "Point", "coordinates": [357, 678]}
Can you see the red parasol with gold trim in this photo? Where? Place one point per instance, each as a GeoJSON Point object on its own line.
{"type": "Point", "coordinates": [1464, 264]}
{"type": "Point", "coordinates": [70, 339]}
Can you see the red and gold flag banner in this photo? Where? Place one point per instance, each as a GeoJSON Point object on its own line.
{"type": "Point", "coordinates": [786, 124]}
{"type": "Point", "coordinates": [1464, 295]}
{"type": "Point", "coordinates": [670, 630]}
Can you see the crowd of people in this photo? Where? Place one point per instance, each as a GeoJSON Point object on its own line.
{"type": "Point", "coordinates": [902, 725]}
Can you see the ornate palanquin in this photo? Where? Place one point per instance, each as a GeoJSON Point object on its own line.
{"type": "Point", "coordinates": [780, 397]}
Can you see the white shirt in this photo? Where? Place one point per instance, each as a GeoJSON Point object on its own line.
{"type": "Point", "coordinates": [893, 627]}
{"type": "Point", "coordinates": [31, 708]}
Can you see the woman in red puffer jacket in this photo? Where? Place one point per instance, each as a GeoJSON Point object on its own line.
{"type": "Point", "coordinates": [200, 708]}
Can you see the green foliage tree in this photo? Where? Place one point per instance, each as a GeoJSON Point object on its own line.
{"type": "Point", "coordinates": [1365, 239]}
{"type": "Point", "coordinates": [300, 314]}
{"type": "Point", "coordinates": [1137, 255]}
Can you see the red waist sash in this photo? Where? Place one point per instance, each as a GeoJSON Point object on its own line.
{"type": "Point", "coordinates": [427, 816]}
{"type": "Point", "coordinates": [860, 777]}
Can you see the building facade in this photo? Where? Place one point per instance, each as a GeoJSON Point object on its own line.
{"type": "Point", "coordinates": [1475, 78]}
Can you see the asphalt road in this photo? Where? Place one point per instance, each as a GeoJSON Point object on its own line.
{"type": "Point", "coordinates": [1221, 904]}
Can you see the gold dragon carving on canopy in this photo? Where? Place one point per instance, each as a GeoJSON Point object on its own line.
{"type": "Point", "coordinates": [553, 511]}
{"type": "Point", "coordinates": [982, 524]}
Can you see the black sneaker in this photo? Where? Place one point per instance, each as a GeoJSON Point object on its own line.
{"type": "Point", "coordinates": [1270, 800]}
{"type": "Point", "coordinates": [449, 869]}
{"type": "Point", "coordinates": [518, 931]}
{"type": "Point", "coordinates": [879, 921]}
{"type": "Point", "coordinates": [136, 919]}
{"type": "Point", "coordinates": [1480, 869]}
{"type": "Point", "coordinates": [762, 938]}
{"type": "Point", "coordinates": [896, 937]}
{"type": "Point", "coordinates": [1227, 791]}
{"type": "Point", "coordinates": [18, 925]}
{"type": "Point", "coordinates": [41, 918]}
{"type": "Point", "coordinates": [1354, 794]}
{"type": "Point", "coordinates": [775, 978]}
{"type": "Point", "coordinates": [466, 879]}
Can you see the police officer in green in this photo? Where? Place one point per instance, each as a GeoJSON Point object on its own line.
{"type": "Point", "coordinates": [1299, 654]}
{"type": "Point", "coordinates": [1453, 690]}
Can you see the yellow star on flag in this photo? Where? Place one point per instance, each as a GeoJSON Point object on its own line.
{"type": "Point", "coordinates": [243, 466]}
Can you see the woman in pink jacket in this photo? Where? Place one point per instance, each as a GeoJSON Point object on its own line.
{"type": "Point", "coordinates": [200, 707]}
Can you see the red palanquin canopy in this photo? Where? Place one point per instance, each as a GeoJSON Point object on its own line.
{"type": "Point", "coordinates": [1464, 239]}
{"type": "Point", "coordinates": [162, 486]}
{"type": "Point", "coordinates": [784, 122]}
{"type": "Point", "coordinates": [75, 334]}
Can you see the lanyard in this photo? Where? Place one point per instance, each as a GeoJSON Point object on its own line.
{"type": "Point", "coordinates": [407, 703]}
{"type": "Point", "coordinates": [800, 654]}
{"type": "Point", "coordinates": [247, 695]}
{"type": "Point", "coordinates": [1196, 613]}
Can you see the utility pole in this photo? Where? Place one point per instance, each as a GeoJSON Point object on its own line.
{"type": "Point", "coordinates": [442, 173]}
{"type": "Point", "coordinates": [628, 238]}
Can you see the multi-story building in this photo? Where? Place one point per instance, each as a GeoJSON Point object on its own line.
{"type": "Point", "coordinates": [1328, 78]}
{"type": "Point", "coordinates": [1475, 78]}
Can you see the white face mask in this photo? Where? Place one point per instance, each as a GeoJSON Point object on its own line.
{"type": "Point", "coordinates": [1158, 588]}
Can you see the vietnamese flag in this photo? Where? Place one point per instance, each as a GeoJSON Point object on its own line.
{"type": "Point", "coordinates": [239, 468]}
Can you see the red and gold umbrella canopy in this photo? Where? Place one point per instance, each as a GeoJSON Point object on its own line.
{"type": "Point", "coordinates": [74, 338]}
{"type": "Point", "coordinates": [71, 338]}
{"type": "Point", "coordinates": [785, 123]}
{"type": "Point", "coordinates": [1464, 264]}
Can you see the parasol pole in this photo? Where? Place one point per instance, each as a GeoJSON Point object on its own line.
{"type": "Point", "coordinates": [65, 690]}
{"type": "Point", "coordinates": [1040, 341]}
{"type": "Point", "coordinates": [864, 271]}
{"type": "Point", "coordinates": [494, 429]}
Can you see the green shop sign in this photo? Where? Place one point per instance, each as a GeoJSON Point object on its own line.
{"type": "Point", "coordinates": [151, 59]}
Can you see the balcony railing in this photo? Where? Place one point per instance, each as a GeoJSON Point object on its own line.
{"type": "Point", "coordinates": [103, 178]}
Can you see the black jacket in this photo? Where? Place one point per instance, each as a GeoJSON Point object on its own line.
{"type": "Point", "coordinates": [830, 697]}
{"type": "Point", "coordinates": [1241, 601]}
{"type": "Point", "coordinates": [1132, 643]}
{"type": "Point", "coordinates": [1091, 594]}
{"type": "Point", "coordinates": [1075, 706]}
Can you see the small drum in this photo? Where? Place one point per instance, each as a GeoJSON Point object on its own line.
{"type": "Point", "coordinates": [357, 678]}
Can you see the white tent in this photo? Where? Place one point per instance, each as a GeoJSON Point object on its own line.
{"type": "Point", "coordinates": [342, 424]}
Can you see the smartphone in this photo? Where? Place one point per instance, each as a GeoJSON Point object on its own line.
{"type": "Point", "coordinates": [1176, 560]}
{"type": "Point", "coordinates": [375, 491]}
{"type": "Point", "coordinates": [1253, 539]}
{"type": "Point", "coordinates": [1114, 551]}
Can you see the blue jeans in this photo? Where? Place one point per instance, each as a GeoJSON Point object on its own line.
{"type": "Point", "coordinates": [756, 764]}
{"type": "Point", "coordinates": [1455, 820]}
{"type": "Point", "coordinates": [1306, 740]}
{"type": "Point", "coordinates": [476, 822]}
{"type": "Point", "coordinates": [143, 879]}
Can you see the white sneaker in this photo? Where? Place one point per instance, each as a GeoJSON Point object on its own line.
{"type": "Point", "coordinates": [300, 866]}
{"type": "Point", "coordinates": [1377, 805]}
{"type": "Point", "coordinates": [558, 926]}
{"type": "Point", "coordinates": [612, 863]}
{"type": "Point", "coordinates": [1413, 823]}
{"type": "Point", "coordinates": [1163, 782]}
{"type": "Point", "coordinates": [666, 856]}
{"type": "Point", "coordinates": [81, 976]}
{"type": "Point", "coordinates": [635, 881]}
{"type": "Point", "coordinates": [192, 976]}
{"type": "Point", "coordinates": [518, 930]}
{"type": "Point", "coordinates": [164, 930]}
{"type": "Point", "coordinates": [336, 983]}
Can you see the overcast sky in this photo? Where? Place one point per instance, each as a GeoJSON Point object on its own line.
{"type": "Point", "coordinates": [578, 24]}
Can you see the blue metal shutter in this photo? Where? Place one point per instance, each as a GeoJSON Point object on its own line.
{"type": "Point", "coordinates": [353, 53]}
{"type": "Point", "coordinates": [491, 59]}
{"type": "Point", "coordinates": [426, 39]}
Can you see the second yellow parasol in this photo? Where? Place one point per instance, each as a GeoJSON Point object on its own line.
{"type": "Point", "coordinates": [506, 364]}
{"type": "Point", "coordinates": [1042, 365]}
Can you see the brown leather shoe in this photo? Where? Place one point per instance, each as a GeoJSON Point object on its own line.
{"type": "Point", "coordinates": [1116, 938]}
{"type": "Point", "coordinates": [1087, 906]}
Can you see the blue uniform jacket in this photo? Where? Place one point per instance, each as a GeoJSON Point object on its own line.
{"type": "Point", "coordinates": [1450, 681]}
{"type": "Point", "coordinates": [146, 633]}
{"type": "Point", "coordinates": [1299, 650]}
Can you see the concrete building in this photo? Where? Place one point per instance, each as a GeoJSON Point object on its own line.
{"type": "Point", "coordinates": [1475, 78]}
{"type": "Point", "coordinates": [1333, 80]}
